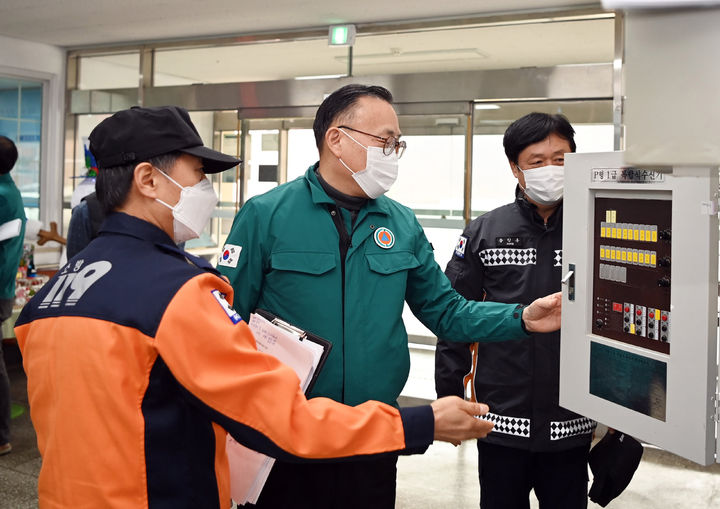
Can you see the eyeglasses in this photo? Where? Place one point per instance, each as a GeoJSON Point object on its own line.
{"type": "Point", "coordinates": [391, 144]}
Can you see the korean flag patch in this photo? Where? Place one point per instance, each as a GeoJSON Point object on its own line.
{"type": "Point", "coordinates": [230, 255]}
{"type": "Point", "coordinates": [460, 247]}
{"type": "Point", "coordinates": [232, 314]}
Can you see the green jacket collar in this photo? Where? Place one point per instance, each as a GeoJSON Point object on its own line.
{"type": "Point", "coordinates": [380, 205]}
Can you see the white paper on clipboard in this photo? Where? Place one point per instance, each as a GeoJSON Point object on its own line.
{"type": "Point", "coordinates": [250, 469]}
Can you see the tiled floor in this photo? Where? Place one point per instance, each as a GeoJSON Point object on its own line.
{"type": "Point", "coordinates": [19, 469]}
{"type": "Point", "coordinates": [444, 477]}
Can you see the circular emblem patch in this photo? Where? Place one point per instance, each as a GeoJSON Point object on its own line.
{"type": "Point", "coordinates": [384, 238]}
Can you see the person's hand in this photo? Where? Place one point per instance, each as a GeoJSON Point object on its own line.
{"type": "Point", "coordinates": [455, 420]}
{"type": "Point", "coordinates": [543, 315]}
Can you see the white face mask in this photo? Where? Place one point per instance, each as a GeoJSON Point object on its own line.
{"type": "Point", "coordinates": [193, 210]}
{"type": "Point", "coordinates": [544, 185]}
{"type": "Point", "coordinates": [380, 171]}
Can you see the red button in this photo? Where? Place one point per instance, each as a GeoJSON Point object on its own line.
{"type": "Point", "coordinates": [664, 318]}
{"type": "Point", "coordinates": [639, 312]}
{"type": "Point", "coordinates": [652, 315]}
{"type": "Point", "coordinates": [627, 309]}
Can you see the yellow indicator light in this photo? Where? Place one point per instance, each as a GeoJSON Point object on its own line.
{"type": "Point", "coordinates": [608, 216]}
{"type": "Point", "coordinates": [602, 253]}
{"type": "Point", "coordinates": [624, 233]}
{"type": "Point", "coordinates": [635, 257]}
{"type": "Point", "coordinates": [623, 255]}
{"type": "Point", "coordinates": [602, 231]}
{"type": "Point", "coordinates": [632, 328]}
{"type": "Point", "coordinates": [636, 234]}
{"type": "Point", "coordinates": [642, 235]}
{"type": "Point", "coordinates": [613, 215]}
{"type": "Point", "coordinates": [653, 259]}
{"type": "Point", "coordinates": [653, 236]}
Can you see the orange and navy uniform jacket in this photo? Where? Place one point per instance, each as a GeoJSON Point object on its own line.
{"type": "Point", "coordinates": [137, 366]}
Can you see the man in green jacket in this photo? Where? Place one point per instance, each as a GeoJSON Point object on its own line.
{"type": "Point", "coordinates": [329, 253]}
{"type": "Point", "coordinates": [12, 233]}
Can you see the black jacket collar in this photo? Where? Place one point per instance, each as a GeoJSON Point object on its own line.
{"type": "Point", "coordinates": [530, 210]}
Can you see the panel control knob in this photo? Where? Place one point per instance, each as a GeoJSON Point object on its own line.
{"type": "Point", "coordinates": [665, 234]}
{"type": "Point", "coordinates": [651, 335]}
{"type": "Point", "coordinates": [626, 328]}
{"type": "Point", "coordinates": [664, 282]}
{"type": "Point", "coordinates": [599, 323]}
{"type": "Point", "coordinates": [664, 261]}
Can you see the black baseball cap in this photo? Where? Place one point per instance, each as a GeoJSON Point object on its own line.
{"type": "Point", "coordinates": [136, 135]}
{"type": "Point", "coordinates": [613, 461]}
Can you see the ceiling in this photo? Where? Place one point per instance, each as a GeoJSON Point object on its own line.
{"type": "Point", "coordinates": [448, 50]}
{"type": "Point", "coordinates": [77, 24]}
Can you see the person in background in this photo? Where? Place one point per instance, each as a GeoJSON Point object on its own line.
{"type": "Point", "coordinates": [329, 253]}
{"type": "Point", "coordinates": [12, 233]}
{"type": "Point", "coordinates": [514, 254]}
{"type": "Point", "coordinates": [85, 221]}
{"type": "Point", "coordinates": [137, 366]}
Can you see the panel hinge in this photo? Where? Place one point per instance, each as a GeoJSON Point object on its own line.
{"type": "Point", "coordinates": [716, 404]}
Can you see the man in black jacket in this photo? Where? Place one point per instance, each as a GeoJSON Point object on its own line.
{"type": "Point", "coordinates": [514, 254]}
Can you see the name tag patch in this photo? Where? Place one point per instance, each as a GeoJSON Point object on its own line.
{"type": "Point", "coordinates": [232, 314]}
{"type": "Point", "coordinates": [509, 241]}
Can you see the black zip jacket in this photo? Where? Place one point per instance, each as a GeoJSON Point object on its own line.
{"type": "Point", "coordinates": [510, 255]}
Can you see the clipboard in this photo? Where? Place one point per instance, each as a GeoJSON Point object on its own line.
{"type": "Point", "coordinates": [304, 336]}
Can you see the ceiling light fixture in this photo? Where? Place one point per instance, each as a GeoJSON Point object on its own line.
{"type": "Point", "coordinates": [320, 77]}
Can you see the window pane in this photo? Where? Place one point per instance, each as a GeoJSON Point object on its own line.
{"type": "Point", "coordinates": [9, 128]}
{"type": "Point", "coordinates": [31, 101]}
{"type": "Point", "coordinates": [431, 173]}
{"type": "Point", "coordinates": [251, 62]}
{"type": "Point", "coordinates": [302, 152]}
{"type": "Point", "coordinates": [478, 48]}
{"type": "Point", "coordinates": [20, 120]}
{"type": "Point", "coordinates": [8, 98]}
{"type": "Point", "coordinates": [110, 71]}
{"type": "Point", "coordinates": [72, 190]}
{"type": "Point", "coordinates": [262, 153]}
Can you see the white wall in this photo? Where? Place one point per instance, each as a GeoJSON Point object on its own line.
{"type": "Point", "coordinates": [24, 59]}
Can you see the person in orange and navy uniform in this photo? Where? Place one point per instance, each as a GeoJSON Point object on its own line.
{"type": "Point", "coordinates": [137, 366]}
